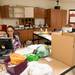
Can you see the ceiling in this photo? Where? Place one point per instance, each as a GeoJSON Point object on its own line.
{"type": "Point", "coordinates": [65, 0]}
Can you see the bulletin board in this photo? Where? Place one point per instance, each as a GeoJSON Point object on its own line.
{"type": "Point", "coordinates": [72, 16]}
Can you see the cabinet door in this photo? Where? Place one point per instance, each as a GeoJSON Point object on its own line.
{"type": "Point", "coordinates": [63, 17]}
{"type": "Point", "coordinates": [18, 12]}
{"type": "Point", "coordinates": [4, 11]}
{"type": "Point", "coordinates": [29, 12]}
{"type": "Point", "coordinates": [53, 19]}
{"type": "Point", "coordinates": [11, 12]}
{"type": "Point", "coordinates": [25, 35]}
{"type": "Point", "coordinates": [58, 18]}
{"type": "Point", "coordinates": [0, 11]}
{"type": "Point", "coordinates": [39, 12]}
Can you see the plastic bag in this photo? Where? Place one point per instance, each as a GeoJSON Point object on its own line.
{"type": "Point", "coordinates": [42, 51]}
{"type": "Point", "coordinates": [32, 57]}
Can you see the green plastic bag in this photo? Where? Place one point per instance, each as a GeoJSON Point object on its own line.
{"type": "Point", "coordinates": [32, 57]}
{"type": "Point", "coordinates": [42, 51]}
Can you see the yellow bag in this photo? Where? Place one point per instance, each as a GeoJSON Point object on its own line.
{"type": "Point", "coordinates": [16, 58]}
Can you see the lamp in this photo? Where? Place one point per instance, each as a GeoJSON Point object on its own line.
{"type": "Point", "coordinates": [57, 2]}
{"type": "Point", "coordinates": [57, 6]}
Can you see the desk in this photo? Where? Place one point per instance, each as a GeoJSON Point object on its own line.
{"type": "Point", "coordinates": [57, 66]}
{"type": "Point", "coordinates": [70, 71]}
{"type": "Point", "coordinates": [3, 70]}
{"type": "Point", "coordinates": [46, 36]}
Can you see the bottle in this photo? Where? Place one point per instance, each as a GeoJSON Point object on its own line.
{"type": "Point", "coordinates": [41, 29]}
{"type": "Point", "coordinates": [46, 30]}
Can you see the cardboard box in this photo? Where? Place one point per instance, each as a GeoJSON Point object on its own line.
{"type": "Point", "coordinates": [15, 69]}
{"type": "Point", "coordinates": [63, 48]}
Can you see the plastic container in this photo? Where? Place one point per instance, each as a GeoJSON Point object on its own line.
{"type": "Point", "coordinates": [15, 69]}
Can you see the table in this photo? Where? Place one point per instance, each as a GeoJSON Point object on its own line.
{"type": "Point", "coordinates": [70, 71]}
{"type": "Point", "coordinates": [3, 70]}
{"type": "Point", "coordinates": [46, 36]}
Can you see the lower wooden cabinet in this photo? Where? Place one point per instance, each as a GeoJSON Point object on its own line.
{"type": "Point", "coordinates": [25, 34]}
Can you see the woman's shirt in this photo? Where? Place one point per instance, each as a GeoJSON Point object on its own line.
{"type": "Point", "coordinates": [16, 42]}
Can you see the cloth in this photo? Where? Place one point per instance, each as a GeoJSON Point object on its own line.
{"type": "Point", "coordinates": [35, 68]}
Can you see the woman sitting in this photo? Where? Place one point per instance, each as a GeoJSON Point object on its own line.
{"type": "Point", "coordinates": [15, 39]}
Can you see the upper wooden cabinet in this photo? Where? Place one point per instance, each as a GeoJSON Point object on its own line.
{"type": "Point", "coordinates": [18, 12]}
{"type": "Point", "coordinates": [39, 12]}
{"type": "Point", "coordinates": [36, 12]}
{"type": "Point", "coordinates": [11, 11]}
{"type": "Point", "coordinates": [56, 18]}
{"type": "Point", "coordinates": [4, 11]}
{"type": "Point", "coordinates": [0, 11]}
{"type": "Point", "coordinates": [29, 12]}
{"type": "Point", "coordinates": [21, 12]}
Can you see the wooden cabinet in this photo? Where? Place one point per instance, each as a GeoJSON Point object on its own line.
{"type": "Point", "coordinates": [29, 12]}
{"type": "Point", "coordinates": [56, 18]}
{"type": "Point", "coordinates": [4, 11]}
{"type": "Point", "coordinates": [7, 11]}
{"type": "Point", "coordinates": [0, 11]}
{"type": "Point", "coordinates": [39, 12]}
{"type": "Point", "coordinates": [11, 12]}
{"type": "Point", "coordinates": [25, 34]}
{"type": "Point", "coordinates": [18, 12]}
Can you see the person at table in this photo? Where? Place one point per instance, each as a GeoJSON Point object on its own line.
{"type": "Point", "coordinates": [15, 39]}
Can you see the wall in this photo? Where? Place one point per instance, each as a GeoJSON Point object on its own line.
{"type": "Point", "coordinates": [68, 5]}
{"type": "Point", "coordinates": [33, 3]}
{"type": "Point", "coordinates": [65, 4]}
{"type": "Point", "coordinates": [0, 21]}
{"type": "Point", "coordinates": [9, 21]}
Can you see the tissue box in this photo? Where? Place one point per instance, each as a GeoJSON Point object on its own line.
{"type": "Point", "coordinates": [15, 69]}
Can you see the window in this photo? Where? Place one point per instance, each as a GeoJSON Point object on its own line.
{"type": "Point", "coordinates": [72, 16]}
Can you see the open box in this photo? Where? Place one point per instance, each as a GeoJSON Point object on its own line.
{"type": "Point", "coordinates": [17, 69]}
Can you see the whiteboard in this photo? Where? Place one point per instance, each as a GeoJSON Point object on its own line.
{"type": "Point", "coordinates": [72, 19]}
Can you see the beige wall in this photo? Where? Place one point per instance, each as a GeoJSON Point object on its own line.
{"type": "Point", "coordinates": [65, 4]}
{"type": "Point", "coordinates": [0, 21]}
{"type": "Point", "coordinates": [68, 4]}
{"type": "Point", "coordinates": [34, 3]}
{"type": "Point", "coordinates": [9, 21]}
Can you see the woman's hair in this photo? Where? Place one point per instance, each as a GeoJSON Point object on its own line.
{"type": "Point", "coordinates": [13, 29]}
